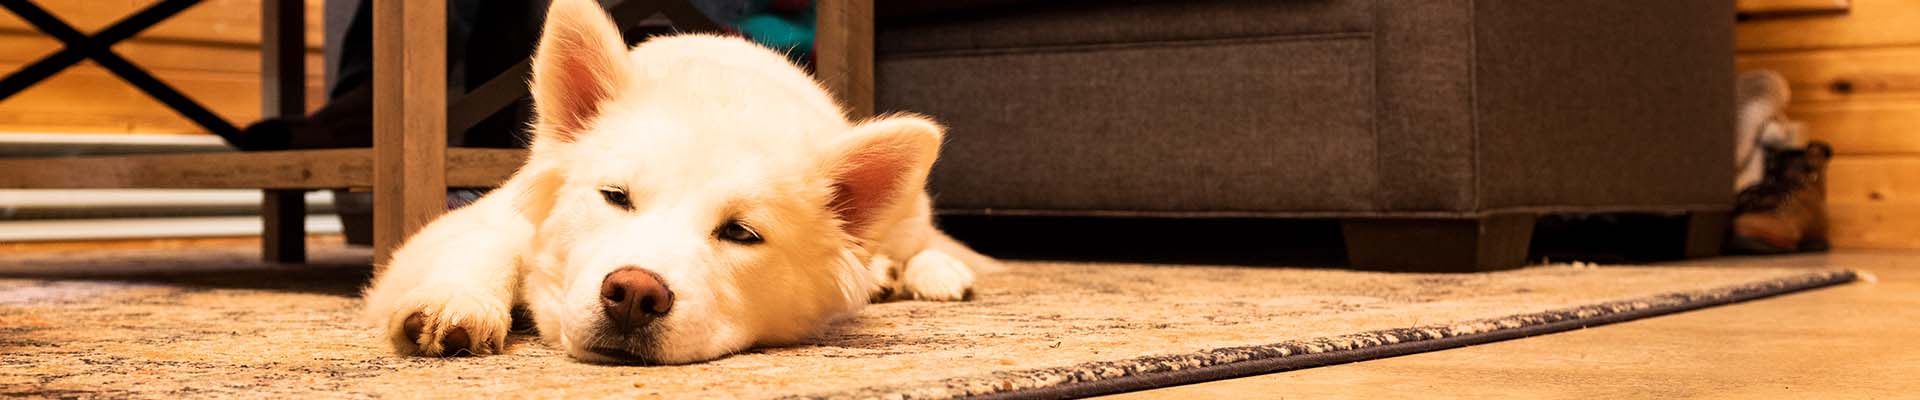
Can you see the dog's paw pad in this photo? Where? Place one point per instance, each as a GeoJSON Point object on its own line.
{"type": "Point", "coordinates": [935, 275]}
{"type": "Point", "coordinates": [456, 343]}
{"type": "Point", "coordinates": [415, 323]}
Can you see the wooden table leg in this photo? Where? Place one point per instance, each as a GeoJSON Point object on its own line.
{"type": "Point", "coordinates": [409, 119]}
{"type": "Point", "coordinates": [843, 53]}
{"type": "Point", "coordinates": [283, 78]}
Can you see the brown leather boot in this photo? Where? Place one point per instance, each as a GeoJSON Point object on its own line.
{"type": "Point", "coordinates": [1787, 211]}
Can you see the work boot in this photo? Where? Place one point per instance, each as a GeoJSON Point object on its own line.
{"type": "Point", "coordinates": [1787, 211]}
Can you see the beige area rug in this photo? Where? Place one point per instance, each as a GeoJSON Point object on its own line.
{"type": "Point", "coordinates": [212, 323]}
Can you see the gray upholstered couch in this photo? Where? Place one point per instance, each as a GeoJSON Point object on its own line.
{"type": "Point", "coordinates": [1443, 123]}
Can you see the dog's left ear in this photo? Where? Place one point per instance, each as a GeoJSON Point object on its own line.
{"type": "Point", "coordinates": [580, 64]}
{"type": "Point", "coordinates": [879, 169]}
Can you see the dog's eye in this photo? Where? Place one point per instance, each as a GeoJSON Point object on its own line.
{"type": "Point", "coordinates": [616, 197]}
{"type": "Point", "coordinates": [734, 231]}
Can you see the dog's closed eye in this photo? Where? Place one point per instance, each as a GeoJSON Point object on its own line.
{"type": "Point", "coordinates": [616, 197]}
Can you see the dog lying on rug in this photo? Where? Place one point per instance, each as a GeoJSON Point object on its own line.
{"type": "Point", "coordinates": [688, 198]}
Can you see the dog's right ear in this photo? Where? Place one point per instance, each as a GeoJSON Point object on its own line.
{"type": "Point", "coordinates": [580, 64]}
{"type": "Point", "coordinates": [878, 169]}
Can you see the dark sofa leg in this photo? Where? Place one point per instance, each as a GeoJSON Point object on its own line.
{"type": "Point", "coordinates": [1706, 233]}
{"type": "Point", "coordinates": [1492, 242]}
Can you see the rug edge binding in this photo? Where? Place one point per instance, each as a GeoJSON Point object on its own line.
{"type": "Point", "coordinates": [1110, 377]}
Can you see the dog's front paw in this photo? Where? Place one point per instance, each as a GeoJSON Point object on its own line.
{"type": "Point", "coordinates": [936, 275]}
{"type": "Point", "coordinates": [442, 323]}
{"type": "Point", "coordinates": [884, 273]}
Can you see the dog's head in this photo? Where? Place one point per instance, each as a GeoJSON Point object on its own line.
{"type": "Point", "coordinates": [698, 195]}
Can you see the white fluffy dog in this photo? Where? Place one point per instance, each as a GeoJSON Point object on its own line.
{"type": "Point", "coordinates": [686, 199]}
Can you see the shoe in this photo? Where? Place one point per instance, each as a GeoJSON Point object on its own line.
{"type": "Point", "coordinates": [345, 122]}
{"type": "Point", "coordinates": [1787, 210]}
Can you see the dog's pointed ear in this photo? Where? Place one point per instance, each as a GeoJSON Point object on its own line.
{"type": "Point", "coordinates": [879, 170]}
{"type": "Point", "coordinates": [579, 65]}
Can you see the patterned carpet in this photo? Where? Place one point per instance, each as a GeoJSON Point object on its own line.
{"type": "Point", "coordinates": [213, 323]}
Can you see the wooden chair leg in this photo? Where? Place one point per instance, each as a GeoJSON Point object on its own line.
{"type": "Point", "coordinates": [1486, 243]}
{"type": "Point", "coordinates": [409, 119]}
{"type": "Point", "coordinates": [284, 239]}
{"type": "Point", "coordinates": [844, 56]}
{"type": "Point", "coordinates": [283, 93]}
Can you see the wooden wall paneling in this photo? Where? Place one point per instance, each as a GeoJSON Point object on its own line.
{"type": "Point", "coordinates": [1880, 73]}
{"type": "Point", "coordinates": [1874, 201]}
{"type": "Point", "coordinates": [299, 169]}
{"type": "Point", "coordinates": [1874, 180]}
{"type": "Point", "coordinates": [1863, 127]}
{"type": "Point", "coordinates": [1874, 226]}
{"type": "Point", "coordinates": [231, 22]}
{"type": "Point", "coordinates": [88, 99]}
{"type": "Point", "coordinates": [1869, 23]}
{"type": "Point", "coordinates": [222, 75]}
{"type": "Point", "coordinates": [1769, 7]}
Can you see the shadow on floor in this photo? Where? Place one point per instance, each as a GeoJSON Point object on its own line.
{"type": "Point", "coordinates": [1214, 241]}
{"type": "Point", "coordinates": [339, 272]}
{"type": "Point", "coordinates": [1603, 238]}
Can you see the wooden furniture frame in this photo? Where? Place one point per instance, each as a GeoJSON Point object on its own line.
{"type": "Point", "coordinates": [409, 167]}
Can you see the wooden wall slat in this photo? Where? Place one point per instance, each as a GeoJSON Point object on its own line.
{"type": "Point", "coordinates": [1870, 23]}
{"type": "Point", "coordinates": [1875, 226]}
{"type": "Point", "coordinates": [1761, 7]}
{"type": "Point", "coordinates": [1874, 202]}
{"type": "Point", "coordinates": [223, 22]}
{"type": "Point", "coordinates": [301, 169]}
{"type": "Point", "coordinates": [1874, 179]}
{"type": "Point", "coordinates": [1844, 74]}
{"type": "Point", "coordinates": [1863, 127]}
{"type": "Point", "coordinates": [88, 99]}
{"type": "Point", "coordinates": [18, 50]}
{"type": "Point", "coordinates": [1856, 82]}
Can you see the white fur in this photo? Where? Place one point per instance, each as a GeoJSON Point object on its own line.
{"type": "Point", "coordinates": [698, 130]}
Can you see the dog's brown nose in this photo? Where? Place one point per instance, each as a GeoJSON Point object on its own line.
{"type": "Point", "coordinates": [634, 296]}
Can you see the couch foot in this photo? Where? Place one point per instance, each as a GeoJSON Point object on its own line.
{"type": "Point", "coordinates": [1486, 243]}
{"type": "Point", "coordinates": [1706, 233]}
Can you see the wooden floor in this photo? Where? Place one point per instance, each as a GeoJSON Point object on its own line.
{"type": "Point", "coordinates": [1852, 341]}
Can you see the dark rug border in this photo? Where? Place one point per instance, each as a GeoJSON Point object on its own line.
{"type": "Point", "coordinates": [1260, 366]}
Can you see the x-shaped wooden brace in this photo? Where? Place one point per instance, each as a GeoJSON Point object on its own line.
{"type": "Point", "coordinates": [99, 47]}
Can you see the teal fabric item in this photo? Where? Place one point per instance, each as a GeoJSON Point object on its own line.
{"type": "Point", "coordinates": [792, 33]}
